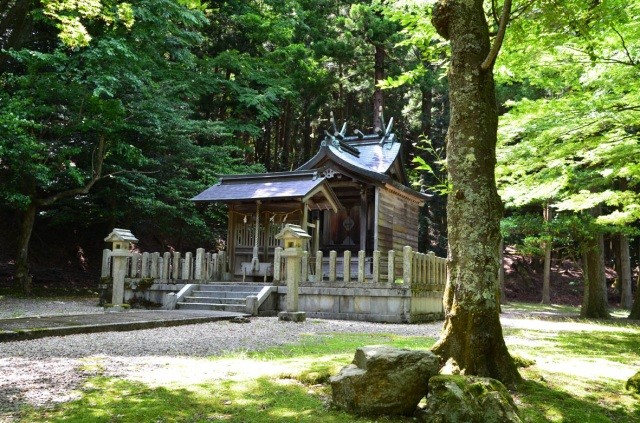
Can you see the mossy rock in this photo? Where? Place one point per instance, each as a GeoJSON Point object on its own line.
{"type": "Point", "coordinates": [633, 383]}
{"type": "Point", "coordinates": [468, 399]}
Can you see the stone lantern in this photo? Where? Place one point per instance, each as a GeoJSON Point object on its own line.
{"type": "Point", "coordinates": [121, 240]}
{"type": "Point", "coordinates": [294, 240]}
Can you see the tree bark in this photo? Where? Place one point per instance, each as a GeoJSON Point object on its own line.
{"type": "Point", "coordinates": [546, 276]}
{"type": "Point", "coordinates": [626, 296]}
{"type": "Point", "coordinates": [503, 291]}
{"type": "Point", "coordinates": [635, 310]}
{"type": "Point", "coordinates": [594, 303]}
{"type": "Point", "coordinates": [378, 100]}
{"type": "Point", "coordinates": [472, 333]}
{"type": "Point", "coordinates": [22, 276]}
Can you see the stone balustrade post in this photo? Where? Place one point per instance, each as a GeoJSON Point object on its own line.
{"type": "Point", "coordinates": [376, 267]}
{"type": "Point", "coordinates": [346, 266]}
{"type": "Point", "coordinates": [106, 260]}
{"type": "Point", "coordinates": [319, 258]}
{"type": "Point", "coordinates": [175, 270]}
{"type": "Point", "coordinates": [144, 271]}
{"type": "Point", "coordinates": [333, 258]}
{"type": "Point", "coordinates": [407, 265]}
{"type": "Point", "coordinates": [391, 267]}
{"type": "Point", "coordinates": [199, 273]}
{"type": "Point", "coordinates": [277, 265]}
{"type": "Point", "coordinates": [361, 263]}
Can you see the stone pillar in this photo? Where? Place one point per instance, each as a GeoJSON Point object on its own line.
{"type": "Point", "coordinates": [391, 267]}
{"type": "Point", "coordinates": [175, 271]}
{"type": "Point", "coordinates": [333, 257]}
{"type": "Point", "coordinates": [376, 267]}
{"type": "Point", "coordinates": [294, 239]}
{"type": "Point", "coordinates": [407, 265]}
{"type": "Point", "coordinates": [106, 269]}
{"type": "Point", "coordinates": [346, 267]}
{"type": "Point", "coordinates": [277, 265]}
{"type": "Point", "coordinates": [119, 260]}
{"type": "Point", "coordinates": [293, 265]}
{"type": "Point", "coordinates": [144, 271]}
{"type": "Point", "coordinates": [121, 240]}
{"type": "Point", "coordinates": [199, 272]}
{"type": "Point", "coordinates": [319, 259]}
{"type": "Point", "coordinates": [166, 261]}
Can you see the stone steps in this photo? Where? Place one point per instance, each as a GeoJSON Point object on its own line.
{"type": "Point", "coordinates": [220, 297]}
{"type": "Point", "coordinates": [238, 308]}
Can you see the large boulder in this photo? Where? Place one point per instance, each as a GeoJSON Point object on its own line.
{"type": "Point", "coordinates": [468, 399]}
{"type": "Point", "coordinates": [384, 381]}
{"type": "Point", "coordinates": [633, 383]}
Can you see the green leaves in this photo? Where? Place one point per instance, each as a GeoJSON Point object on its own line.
{"type": "Point", "coordinates": [576, 145]}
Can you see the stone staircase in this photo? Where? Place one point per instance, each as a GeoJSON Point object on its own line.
{"type": "Point", "coordinates": [221, 297]}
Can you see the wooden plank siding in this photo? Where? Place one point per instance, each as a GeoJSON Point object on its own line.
{"type": "Point", "coordinates": [397, 222]}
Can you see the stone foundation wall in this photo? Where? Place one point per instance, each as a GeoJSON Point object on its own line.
{"type": "Point", "coordinates": [383, 303]}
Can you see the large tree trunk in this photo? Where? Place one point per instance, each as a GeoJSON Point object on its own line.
{"type": "Point", "coordinates": [503, 291]}
{"type": "Point", "coordinates": [378, 99]}
{"type": "Point", "coordinates": [635, 310]}
{"type": "Point", "coordinates": [594, 304]}
{"type": "Point", "coordinates": [546, 276]}
{"type": "Point", "coordinates": [472, 334]}
{"type": "Point", "coordinates": [624, 273]}
{"type": "Point", "coordinates": [22, 276]}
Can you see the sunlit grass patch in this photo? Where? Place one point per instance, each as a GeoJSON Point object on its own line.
{"type": "Point", "coordinates": [580, 369]}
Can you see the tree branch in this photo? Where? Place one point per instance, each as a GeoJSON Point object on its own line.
{"type": "Point", "coordinates": [497, 42]}
{"type": "Point", "coordinates": [624, 46]}
{"type": "Point", "coordinates": [96, 174]}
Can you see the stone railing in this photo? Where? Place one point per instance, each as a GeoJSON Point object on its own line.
{"type": "Point", "coordinates": [172, 266]}
{"type": "Point", "coordinates": [423, 272]}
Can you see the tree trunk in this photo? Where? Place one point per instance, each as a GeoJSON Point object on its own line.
{"type": "Point", "coordinates": [472, 334]}
{"type": "Point", "coordinates": [378, 103]}
{"type": "Point", "coordinates": [23, 278]}
{"type": "Point", "coordinates": [594, 304]}
{"type": "Point", "coordinates": [624, 273]}
{"type": "Point", "coordinates": [503, 291]}
{"type": "Point", "coordinates": [635, 310]}
{"type": "Point", "coordinates": [546, 276]}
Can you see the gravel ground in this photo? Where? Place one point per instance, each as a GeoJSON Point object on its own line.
{"type": "Point", "coordinates": [46, 371]}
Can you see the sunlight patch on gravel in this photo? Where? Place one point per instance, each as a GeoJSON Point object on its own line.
{"type": "Point", "coordinates": [185, 372]}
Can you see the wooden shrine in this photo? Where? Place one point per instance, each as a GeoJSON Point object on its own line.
{"type": "Point", "coordinates": [352, 195]}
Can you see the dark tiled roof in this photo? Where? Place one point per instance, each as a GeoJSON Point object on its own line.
{"type": "Point", "coordinates": [281, 185]}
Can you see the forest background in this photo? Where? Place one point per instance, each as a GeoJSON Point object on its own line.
{"type": "Point", "coordinates": [115, 114]}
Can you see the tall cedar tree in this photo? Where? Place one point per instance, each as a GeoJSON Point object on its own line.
{"type": "Point", "coordinates": [472, 334]}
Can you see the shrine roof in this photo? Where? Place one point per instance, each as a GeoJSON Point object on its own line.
{"type": "Point", "coordinates": [371, 155]}
{"type": "Point", "coordinates": [294, 185]}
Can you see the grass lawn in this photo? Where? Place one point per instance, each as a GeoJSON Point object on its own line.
{"type": "Point", "coordinates": [578, 376]}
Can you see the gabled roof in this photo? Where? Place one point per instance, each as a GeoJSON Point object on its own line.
{"type": "Point", "coordinates": [295, 185]}
{"type": "Point", "coordinates": [372, 158]}
{"type": "Point", "coordinates": [373, 155]}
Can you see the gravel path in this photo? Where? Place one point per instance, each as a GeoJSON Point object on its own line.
{"type": "Point", "coordinates": [46, 371]}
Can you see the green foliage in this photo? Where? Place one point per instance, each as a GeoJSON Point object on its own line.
{"type": "Point", "coordinates": [575, 144]}
{"type": "Point", "coordinates": [567, 232]}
